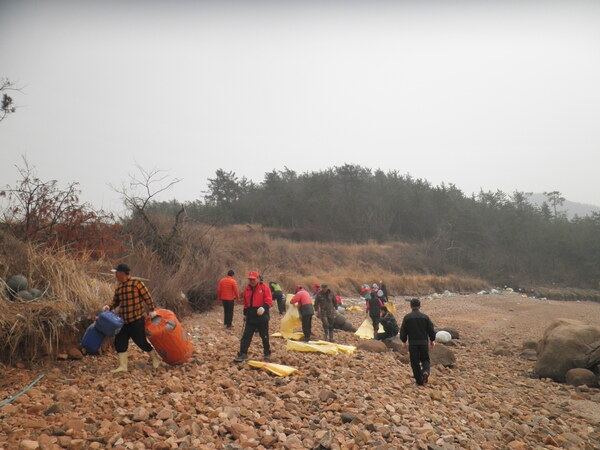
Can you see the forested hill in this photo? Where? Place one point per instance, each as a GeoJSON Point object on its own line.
{"type": "Point", "coordinates": [568, 208]}
{"type": "Point", "coordinates": [498, 236]}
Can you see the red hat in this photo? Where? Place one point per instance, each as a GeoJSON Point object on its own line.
{"type": "Point", "coordinates": [253, 275]}
{"type": "Point", "coordinates": [298, 287]}
{"type": "Point", "coordinates": [316, 284]}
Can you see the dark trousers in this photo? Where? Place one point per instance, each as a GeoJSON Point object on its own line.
{"type": "Point", "coordinates": [137, 332]}
{"type": "Point", "coordinates": [307, 326]}
{"type": "Point", "coordinates": [249, 329]}
{"type": "Point", "coordinates": [327, 320]}
{"type": "Point", "coordinates": [375, 320]}
{"type": "Point", "coordinates": [419, 361]}
{"type": "Point", "coordinates": [280, 301]}
{"type": "Point", "coordinates": [386, 335]}
{"type": "Point", "coordinates": [227, 312]}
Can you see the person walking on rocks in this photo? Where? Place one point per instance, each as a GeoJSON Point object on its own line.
{"type": "Point", "coordinates": [257, 302]}
{"type": "Point", "coordinates": [228, 293]}
{"type": "Point", "coordinates": [303, 301]}
{"type": "Point", "coordinates": [133, 299]}
{"type": "Point", "coordinates": [326, 309]}
{"type": "Point", "coordinates": [418, 329]}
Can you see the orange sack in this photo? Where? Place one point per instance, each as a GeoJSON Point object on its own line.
{"type": "Point", "coordinates": [168, 337]}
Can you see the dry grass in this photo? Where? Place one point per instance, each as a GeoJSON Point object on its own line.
{"type": "Point", "coordinates": [71, 298]}
{"type": "Point", "coordinates": [403, 267]}
{"type": "Point", "coordinates": [75, 290]}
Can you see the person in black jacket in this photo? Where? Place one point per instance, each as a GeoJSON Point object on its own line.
{"type": "Point", "coordinates": [389, 324]}
{"type": "Point", "coordinates": [373, 306]}
{"type": "Point", "coordinates": [417, 328]}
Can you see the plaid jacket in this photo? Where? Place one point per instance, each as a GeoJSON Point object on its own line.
{"type": "Point", "coordinates": [130, 296]}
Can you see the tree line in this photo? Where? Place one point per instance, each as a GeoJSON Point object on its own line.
{"type": "Point", "coordinates": [492, 235]}
{"type": "Point", "coordinates": [500, 237]}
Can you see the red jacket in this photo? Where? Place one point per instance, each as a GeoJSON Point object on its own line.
{"type": "Point", "coordinates": [262, 296]}
{"type": "Point", "coordinates": [228, 289]}
{"type": "Point", "coordinates": [302, 298]}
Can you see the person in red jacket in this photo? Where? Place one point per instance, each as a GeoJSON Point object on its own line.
{"type": "Point", "coordinates": [305, 306]}
{"type": "Point", "coordinates": [257, 302]}
{"type": "Point", "coordinates": [227, 292]}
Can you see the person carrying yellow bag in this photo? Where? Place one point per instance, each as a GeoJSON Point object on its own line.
{"type": "Point", "coordinates": [303, 302]}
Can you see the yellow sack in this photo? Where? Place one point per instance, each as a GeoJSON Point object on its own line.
{"type": "Point", "coordinates": [290, 320]}
{"type": "Point", "coordinates": [277, 369]}
{"type": "Point", "coordinates": [365, 331]}
{"type": "Point", "coordinates": [390, 307]}
{"type": "Point", "coordinates": [353, 308]}
{"type": "Point", "coordinates": [329, 349]}
{"type": "Point", "coordinates": [342, 348]}
{"type": "Point", "coordinates": [288, 299]}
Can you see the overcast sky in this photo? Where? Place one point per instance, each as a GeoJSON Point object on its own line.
{"type": "Point", "coordinates": [481, 94]}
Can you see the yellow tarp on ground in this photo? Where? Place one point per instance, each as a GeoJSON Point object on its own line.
{"type": "Point", "coordinates": [329, 349]}
{"type": "Point", "coordinates": [290, 321]}
{"type": "Point", "coordinates": [296, 335]}
{"type": "Point", "coordinates": [342, 348]}
{"type": "Point", "coordinates": [353, 308]}
{"type": "Point", "coordinates": [365, 331]}
{"type": "Point", "coordinates": [277, 369]}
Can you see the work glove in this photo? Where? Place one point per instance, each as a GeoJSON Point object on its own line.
{"type": "Point", "coordinates": [260, 311]}
{"type": "Point", "coordinates": [152, 314]}
{"type": "Point", "coordinates": [105, 308]}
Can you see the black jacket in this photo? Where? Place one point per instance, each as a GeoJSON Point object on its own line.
{"type": "Point", "coordinates": [389, 324]}
{"type": "Point", "coordinates": [417, 327]}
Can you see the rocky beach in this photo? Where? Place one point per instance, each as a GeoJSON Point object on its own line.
{"type": "Point", "coordinates": [489, 399]}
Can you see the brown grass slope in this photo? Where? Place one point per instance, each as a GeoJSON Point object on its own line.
{"type": "Point", "coordinates": [75, 290]}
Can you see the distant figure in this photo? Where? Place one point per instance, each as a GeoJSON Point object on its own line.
{"type": "Point", "coordinates": [373, 306]}
{"type": "Point", "coordinates": [305, 306]}
{"type": "Point", "coordinates": [365, 291]}
{"type": "Point", "coordinates": [417, 328]}
{"type": "Point", "coordinates": [277, 294]}
{"type": "Point", "coordinates": [257, 302]}
{"type": "Point", "coordinates": [316, 287]}
{"type": "Point", "coordinates": [389, 324]}
{"type": "Point", "coordinates": [133, 299]}
{"type": "Point", "coordinates": [228, 293]}
{"type": "Point", "coordinates": [326, 308]}
{"type": "Point", "coordinates": [383, 288]}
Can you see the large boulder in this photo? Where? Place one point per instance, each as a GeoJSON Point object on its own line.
{"type": "Point", "coordinates": [372, 345]}
{"type": "Point", "coordinates": [442, 355]}
{"type": "Point", "coordinates": [567, 344]}
{"type": "Point", "coordinates": [341, 323]}
{"type": "Point", "coordinates": [579, 377]}
{"type": "Point", "coordinates": [394, 343]}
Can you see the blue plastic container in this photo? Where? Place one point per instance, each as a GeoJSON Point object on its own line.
{"type": "Point", "coordinates": [108, 323]}
{"type": "Point", "coordinates": [92, 339]}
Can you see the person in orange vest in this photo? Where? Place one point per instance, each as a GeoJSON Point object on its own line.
{"type": "Point", "coordinates": [228, 293]}
{"type": "Point", "coordinates": [257, 302]}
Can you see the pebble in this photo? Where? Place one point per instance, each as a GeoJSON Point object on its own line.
{"type": "Point", "coordinates": [486, 400]}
